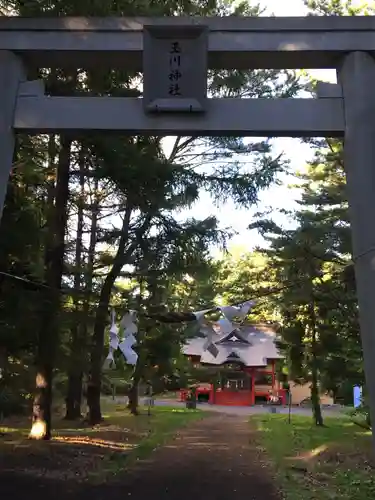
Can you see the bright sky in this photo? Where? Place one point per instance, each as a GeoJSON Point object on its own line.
{"type": "Point", "coordinates": [298, 154]}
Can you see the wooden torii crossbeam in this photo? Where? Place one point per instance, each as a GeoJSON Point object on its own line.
{"type": "Point", "coordinates": [174, 55]}
{"type": "Point", "coordinates": [233, 42]}
{"type": "Point", "coordinates": [241, 43]}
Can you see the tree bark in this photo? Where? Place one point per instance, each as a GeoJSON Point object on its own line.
{"type": "Point", "coordinates": [94, 384]}
{"type": "Point", "coordinates": [77, 358]}
{"type": "Point", "coordinates": [74, 395]}
{"type": "Point", "coordinates": [315, 397]}
{"type": "Point", "coordinates": [54, 262]}
{"type": "Point", "coordinates": [133, 392]}
{"type": "Point", "coordinates": [155, 298]}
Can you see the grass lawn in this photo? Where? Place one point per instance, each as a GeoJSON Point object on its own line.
{"type": "Point", "coordinates": [314, 463]}
{"type": "Point", "coordinates": [91, 454]}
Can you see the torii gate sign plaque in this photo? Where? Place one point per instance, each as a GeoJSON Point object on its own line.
{"type": "Point", "coordinates": [174, 54]}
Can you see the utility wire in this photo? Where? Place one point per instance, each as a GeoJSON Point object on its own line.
{"type": "Point", "coordinates": [164, 317]}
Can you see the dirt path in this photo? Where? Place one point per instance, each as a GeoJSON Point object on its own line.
{"type": "Point", "coordinates": [214, 459]}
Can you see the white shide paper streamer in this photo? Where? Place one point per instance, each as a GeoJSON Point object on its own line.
{"type": "Point", "coordinates": [224, 325]}
{"type": "Point", "coordinates": [129, 329]}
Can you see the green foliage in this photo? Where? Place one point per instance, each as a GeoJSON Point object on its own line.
{"type": "Point", "coordinates": [245, 276]}
{"type": "Point", "coordinates": [339, 7]}
{"type": "Point", "coordinates": [119, 204]}
{"type": "Point", "coordinates": [312, 263]}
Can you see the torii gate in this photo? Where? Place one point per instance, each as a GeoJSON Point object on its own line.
{"type": "Point", "coordinates": [174, 54]}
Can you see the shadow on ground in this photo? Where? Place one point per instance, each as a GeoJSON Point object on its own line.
{"type": "Point", "coordinates": [216, 458]}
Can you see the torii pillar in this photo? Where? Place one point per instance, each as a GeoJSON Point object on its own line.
{"type": "Point", "coordinates": [11, 75]}
{"type": "Point", "coordinates": [357, 78]}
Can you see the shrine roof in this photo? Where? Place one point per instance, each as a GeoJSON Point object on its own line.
{"type": "Point", "coordinates": [252, 344]}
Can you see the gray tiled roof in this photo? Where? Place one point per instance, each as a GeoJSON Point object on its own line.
{"type": "Point", "coordinates": [260, 348]}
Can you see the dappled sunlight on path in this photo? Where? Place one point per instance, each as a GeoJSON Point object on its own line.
{"type": "Point", "coordinates": [217, 458]}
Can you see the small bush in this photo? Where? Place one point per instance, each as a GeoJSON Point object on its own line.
{"type": "Point", "coordinates": [361, 415]}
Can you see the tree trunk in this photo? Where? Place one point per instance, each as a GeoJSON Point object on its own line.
{"type": "Point", "coordinates": [74, 395]}
{"type": "Point", "coordinates": [133, 397]}
{"type": "Point", "coordinates": [75, 372]}
{"type": "Point", "coordinates": [155, 298]}
{"type": "Point", "coordinates": [133, 392]}
{"type": "Point", "coordinates": [3, 379]}
{"type": "Point", "coordinates": [75, 377]}
{"type": "Point", "coordinates": [315, 397]}
{"type": "Point", "coordinates": [95, 208]}
{"type": "Point", "coordinates": [89, 273]}
{"type": "Point", "coordinates": [94, 384]}
{"type": "Point", "coordinates": [54, 262]}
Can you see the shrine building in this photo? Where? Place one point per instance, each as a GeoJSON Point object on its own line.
{"type": "Point", "coordinates": [244, 368]}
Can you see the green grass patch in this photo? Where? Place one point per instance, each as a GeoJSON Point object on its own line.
{"type": "Point", "coordinates": [311, 463]}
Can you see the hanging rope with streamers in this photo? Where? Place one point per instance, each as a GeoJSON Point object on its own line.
{"type": "Point", "coordinates": [128, 328]}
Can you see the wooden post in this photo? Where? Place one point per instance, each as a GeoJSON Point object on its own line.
{"type": "Point", "coordinates": [212, 392]}
{"type": "Point", "coordinates": [253, 371]}
{"type": "Point", "coordinates": [356, 73]}
{"type": "Point", "coordinates": [273, 375]}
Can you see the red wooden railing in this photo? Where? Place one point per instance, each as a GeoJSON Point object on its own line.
{"type": "Point", "coordinates": [227, 397]}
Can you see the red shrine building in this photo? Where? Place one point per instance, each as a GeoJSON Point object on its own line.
{"type": "Point", "coordinates": [244, 369]}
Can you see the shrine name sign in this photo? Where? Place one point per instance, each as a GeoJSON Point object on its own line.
{"type": "Point", "coordinates": [175, 69]}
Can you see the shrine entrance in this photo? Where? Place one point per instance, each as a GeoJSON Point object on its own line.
{"type": "Point", "coordinates": [234, 386]}
{"type": "Point", "coordinates": [174, 55]}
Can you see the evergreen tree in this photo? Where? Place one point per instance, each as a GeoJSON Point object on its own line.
{"type": "Point", "coordinates": [120, 191]}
